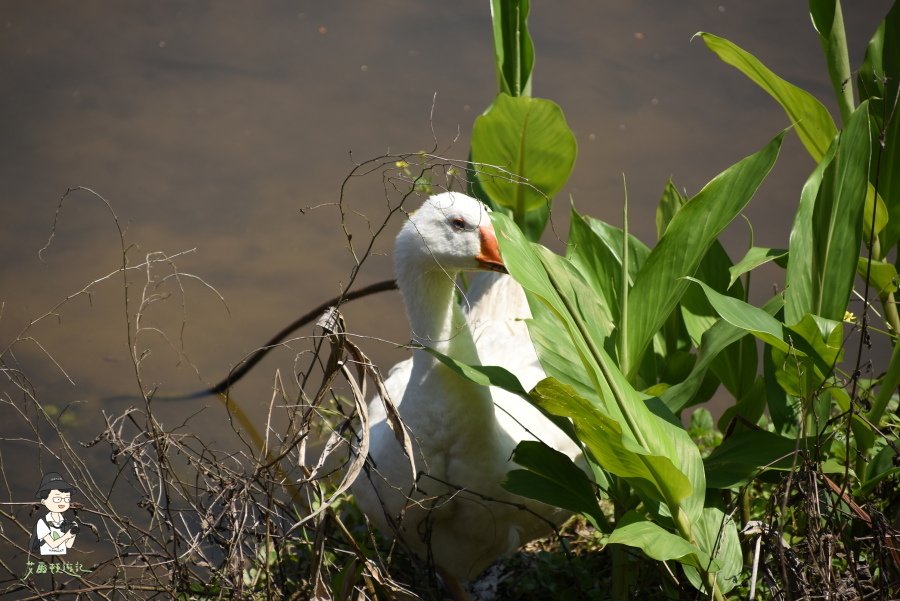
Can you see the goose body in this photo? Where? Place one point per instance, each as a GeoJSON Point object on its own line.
{"type": "Point", "coordinates": [463, 434]}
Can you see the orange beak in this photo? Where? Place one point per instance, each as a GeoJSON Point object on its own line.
{"type": "Point", "coordinates": [489, 256]}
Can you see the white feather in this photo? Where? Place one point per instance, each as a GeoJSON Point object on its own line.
{"type": "Point", "coordinates": [463, 434]}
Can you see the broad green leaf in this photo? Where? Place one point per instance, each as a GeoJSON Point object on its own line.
{"type": "Point", "coordinates": [755, 257]}
{"type": "Point", "coordinates": [536, 221]}
{"type": "Point", "coordinates": [819, 342]}
{"type": "Point", "coordinates": [800, 279]}
{"type": "Point", "coordinates": [735, 366]}
{"type": "Point", "coordinates": [837, 218]}
{"type": "Point", "coordinates": [827, 232]}
{"type": "Point", "coordinates": [561, 361]}
{"type": "Point", "coordinates": [653, 476]}
{"type": "Point", "coordinates": [524, 152]}
{"type": "Point", "coordinates": [811, 121]}
{"type": "Point", "coordinates": [656, 542]}
{"type": "Point", "coordinates": [717, 536]}
{"type": "Point", "coordinates": [819, 337]}
{"type": "Point", "coordinates": [829, 22]}
{"type": "Point", "coordinates": [746, 317]}
{"type": "Point", "coordinates": [698, 315]}
{"type": "Point", "coordinates": [714, 340]}
{"type": "Point", "coordinates": [486, 375]}
{"type": "Point", "coordinates": [513, 49]}
{"type": "Point", "coordinates": [659, 285]}
{"type": "Point", "coordinates": [546, 278]}
{"type": "Point", "coordinates": [748, 453]}
{"type": "Point", "coordinates": [552, 478]}
{"type": "Point", "coordinates": [596, 249]}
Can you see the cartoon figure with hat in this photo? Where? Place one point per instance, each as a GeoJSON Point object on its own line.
{"type": "Point", "coordinates": [54, 534]}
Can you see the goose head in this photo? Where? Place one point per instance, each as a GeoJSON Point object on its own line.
{"type": "Point", "coordinates": [451, 232]}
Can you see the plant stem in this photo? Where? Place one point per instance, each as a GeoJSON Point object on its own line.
{"type": "Point", "coordinates": [623, 312]}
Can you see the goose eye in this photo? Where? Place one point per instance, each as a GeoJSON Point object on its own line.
{"type": "Point", "coordinates": [458, 223]}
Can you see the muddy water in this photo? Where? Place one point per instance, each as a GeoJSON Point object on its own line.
{"type": "Point", "coordinates": [208, 126]}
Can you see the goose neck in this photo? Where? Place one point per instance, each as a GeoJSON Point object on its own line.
{"type": "Point", "coordinates": [435, 318]}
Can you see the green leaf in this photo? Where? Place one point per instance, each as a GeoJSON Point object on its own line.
{"type": "Point", "coordinates": [888, 385]}
{"type": "Point", "coordinates": [748, 453]}
{"type": "Point", "coordinates": [656, 542]}
{"type": "Point", "coordinates": [596, 249]}
{"type": "Point", "coordinates": [750, 407]}
{"type": "Point", "coordinates": [717, 536]}
{"type": "Point", "coordinates": [714, 340]}
{"type": "Point", "coordinates": [811, 121]}
{"type": "Point", "coordinates": [561, 361]}
{"type": "Point", "coordinates": [653, 476]}
{"type": "Point", "coordinates": [698, 315]}
{"type": "Point", "coordinates": [669, 204]}
{"type": "Point", "coordinates": [658, 287]}
{"type": "Point", "coordinates": [486, 375]}
{"type": "Point", "coordinates": [837, 218]}
{"type": "Point", "coordinates": [755, 257]}
{"type": "Point", "coordinates": [829, 22]}
{"type": "Point", "coordinates": [827, 232]}
{"type": "Point", "coordinates": [524, 152]}
{"type": "Point", "coordinates": [552, 478]}
{"type": "Point", "coordinates": [878, 79]}
{"type": "Point", "coordinates": [870, 78]}
{"type": "Point", "coordinates": [818, 348]}
{"type": "Point", "coordinates": [654, 442]}
{"type": "Point", "coordinates": [735, 366]}
{"type": "Point", "coordinates": [513, 49]}
{"type": "Point", "coordinates": [801, 277]}
{"type": "Point", "coordinates": [881, 214]}
{"type": "Point", "coordinates": [746, 317]}
{"type": "Point", "coordinates": [819, 338]}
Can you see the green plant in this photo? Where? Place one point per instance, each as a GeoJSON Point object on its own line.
{"type": "Point", "coordinates": [631, 336]}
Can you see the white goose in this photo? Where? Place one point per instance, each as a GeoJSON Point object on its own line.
{"type": "Point", "coordinates": [460, 436]}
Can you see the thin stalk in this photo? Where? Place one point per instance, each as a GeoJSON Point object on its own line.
{"type": "Point", "coordinates": [623, 310]}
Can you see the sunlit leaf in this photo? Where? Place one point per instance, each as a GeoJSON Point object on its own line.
{"type": "Point", "coordinates": [755, 257]}
{"type": "Point", "coordinates": [653, 476]}
{"type": "Point", "coordinates": [827, 232]}
{"type": "Point", "coordinates": [746, 317]}
{"type": "Point", "coordinates": [717, 338]}
{"type": "Point", "coordinates": [809, 118]}
{"type": "Point", "coordinates": [524, 152]}
{"type": "Point", "coordinates": [596, 249]}
{"type": "Point", "coordinates": [829, 22]}
{"type": "Point", "coordinates": [659, 286]}
{"type": "Point", "coordinates": [656, 542]}
{"type": "Point", "coordinates": [546, 277]}
{"type": "Point", "coordinates": [513, 49]}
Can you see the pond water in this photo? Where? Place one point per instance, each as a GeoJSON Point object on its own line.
{"type": "Point", "coordinates": [210, 127]}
